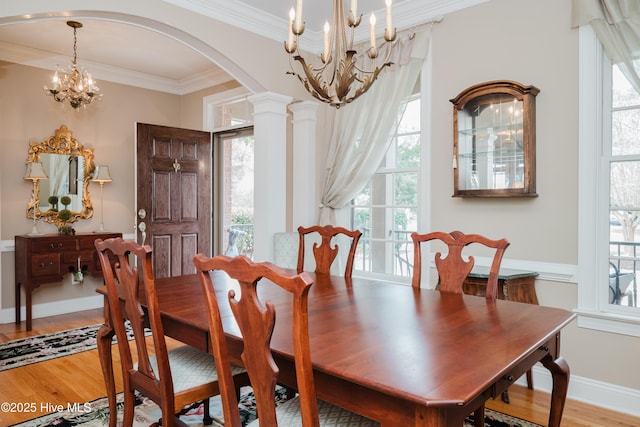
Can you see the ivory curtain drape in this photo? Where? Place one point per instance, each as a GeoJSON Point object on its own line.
{"type": "Point", "coordinates": [617, 25]}
{"type": "Point", "coordinates": [362, 129]}
{"type": "Point", "coordinates": [59, 175]}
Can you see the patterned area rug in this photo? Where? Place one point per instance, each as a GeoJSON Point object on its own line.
{"type": "Point", "coordinates": [39, 348]}
{"type": "Point", "coordinates": [96, 414]}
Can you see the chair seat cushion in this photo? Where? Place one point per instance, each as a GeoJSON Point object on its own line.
{"type": "Point", "coordinates": [288, 414]}
{"type": "Point", "coordinates": [191, 367]}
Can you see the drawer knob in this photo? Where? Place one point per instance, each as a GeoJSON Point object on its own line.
{"type": "Point", "coordinates": [509, 378]}
{"type": "Point", "coordinates": [544, 348]}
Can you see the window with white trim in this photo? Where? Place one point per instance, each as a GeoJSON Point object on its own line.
{"type": "Point", "coordinates": [387, 209]}
{"type": "Point", "coordinates": [229, 115]}
{"type": "Point", "coordinates": [609, 172]}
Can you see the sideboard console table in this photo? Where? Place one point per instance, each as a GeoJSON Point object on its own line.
{"type": "Point", "coordinates": [42, 259]}
{"type": "Point", "coordinates": [513, 285]}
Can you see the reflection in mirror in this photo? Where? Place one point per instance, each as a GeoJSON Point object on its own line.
{"type": "Point", "coordinates": [69, 167]}
{"type": "Point", "coordinates": [63, 171]}
{"type": "Point", "coordinates": [490, 149]}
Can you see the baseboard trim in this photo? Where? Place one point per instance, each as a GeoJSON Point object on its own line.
{"type": "Point", "coordinates": [592, 392]}
{"type": "Point", "coordinates": [54, 308]}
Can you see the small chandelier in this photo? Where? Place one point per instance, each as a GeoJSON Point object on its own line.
{"type": "Point", "coordinates": [73, 84]}
{"type": "Point", "coordinates": [341, 76]}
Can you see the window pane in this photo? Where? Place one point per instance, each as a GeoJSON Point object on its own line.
{"type": "Point", "coordinates": [406, 188]}
{"type": "Point", "coordinates": [624, 128]}
{"type": "Point", "coordinates": [625, 185]}
{"type": "Point", "coordinates": [408, 151]}
{"type": "Point", "coordinates": [234, 113]}
{"type": "Point", "coordinates": [410, 122]}
{"type": "Point", "coordinates": [624, 257]}
{"type": "Point", "coordinates": [405, 222]}
{"type": "Point", "coordinates": [361, 218]}
{"type": "Point", "coordinates": [623, 94]}
{"type": "Point", "coordinates": [238, 194]}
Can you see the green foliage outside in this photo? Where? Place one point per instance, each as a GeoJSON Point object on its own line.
{"type": "Point", "coordinates": [242, 219]}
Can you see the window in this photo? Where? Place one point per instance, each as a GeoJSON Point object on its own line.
{"type": "Point", "coordinates": [623, 150]}
{"type": "Point", "coordinates": [386, 210]}
{"type": "Point", "coordinates": [231, 114]}
{"type": "Point", "coordinates": [237, 157]}
{"type": "Point", "coordinates": [609, 165]}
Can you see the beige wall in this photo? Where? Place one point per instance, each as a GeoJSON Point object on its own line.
{"type": "Point", "coordinates": [532, 43]}
{"type": "Point", "coordinates": [527, 41]}
{"type": "Point", "coordinates": [107, 127]}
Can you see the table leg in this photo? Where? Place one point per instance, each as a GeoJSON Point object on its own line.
{"type": "Point", "coordinates": [560, 374]}
{"type": "Point", "coordinates": [104, 339]}
{"type": "Point", "coordinates": [18, 314]}
{"type": "Point", "coordinates": [28, 306]}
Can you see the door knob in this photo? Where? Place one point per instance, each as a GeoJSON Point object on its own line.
{"type": "Point", "coordinates": [143, 230]}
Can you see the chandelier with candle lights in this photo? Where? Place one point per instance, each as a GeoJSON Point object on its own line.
{"type": "Point", "coordinates": [73, 84]}
{"type": "Point", "coordinates": [342, 74]}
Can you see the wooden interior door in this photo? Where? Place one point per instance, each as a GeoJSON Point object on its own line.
{"type": "Point", "coordinates": [173, 202]}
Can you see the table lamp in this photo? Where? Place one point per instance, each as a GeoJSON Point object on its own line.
{"type": "Point", "coordinates": [102, 175]}
{"type": "Point", "coordinates": [35, 172]}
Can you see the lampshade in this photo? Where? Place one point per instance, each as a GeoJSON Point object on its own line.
{"type": "Point", "coordinates": [102, 174]}
{"type": "Point", "coordinates": [35, 171]}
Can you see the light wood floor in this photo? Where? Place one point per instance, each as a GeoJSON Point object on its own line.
{"type": "Point", "coordinates": [78, 379]}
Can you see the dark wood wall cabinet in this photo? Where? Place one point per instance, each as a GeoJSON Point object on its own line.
{"type": "Point", "coordinates": [47, 258]}
{"type": "Point", "coordinates": [494, 140]}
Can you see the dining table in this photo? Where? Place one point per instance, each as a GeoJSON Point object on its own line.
{"type": "Point", "coordinates": [393, 353]}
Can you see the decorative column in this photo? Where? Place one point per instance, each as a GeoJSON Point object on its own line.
{"type": "Point", "coordinates": [270, 170]}
{"type": "Point", "coordinates": [304, 201]}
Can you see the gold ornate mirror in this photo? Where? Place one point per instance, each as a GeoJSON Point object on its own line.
{"type": "Point", "coordinates": [69, 167]}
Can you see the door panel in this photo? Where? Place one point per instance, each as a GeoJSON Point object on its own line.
{"type": "Point", "coordinates": [174, 188]}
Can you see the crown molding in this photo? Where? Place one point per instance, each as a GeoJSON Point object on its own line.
{"type": "Point", "coordinates": [101, 72]}
{"type": "Point", "coordinates": [406, 13]}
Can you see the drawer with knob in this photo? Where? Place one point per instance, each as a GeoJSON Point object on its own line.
{"type": "Point", "coordinates": [43, 259]}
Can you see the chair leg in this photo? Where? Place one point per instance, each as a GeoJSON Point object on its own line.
{"type": "Point", "coordinates": [478, 417]}
{"type": "Point", "coordinates": [207, 420]}
{"type": "Point", "coordinates": [529, 380]}
{"type": "Point", "coordinates": [290, 393]}
{"type": "Point", "coordinates": [129, 404]}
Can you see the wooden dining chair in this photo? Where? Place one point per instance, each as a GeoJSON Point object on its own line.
{"type": "Point", "coordinates": [325, 254]}
{"type": "Point", "coordinates": [174, 378]}
{"type": "Point", "coordinates": [256, 321]}
{"type": "Point", "coordinates": [453, 269]}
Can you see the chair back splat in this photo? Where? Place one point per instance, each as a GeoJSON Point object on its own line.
{"type": "Point", "coordinates": [256, 321]}
{"type": "Point", "coordinates": [325, 254]}
{"type": "Point", "coordinates": [172, 378]}
{"type": "Point", "coordinates": [454, 269]}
